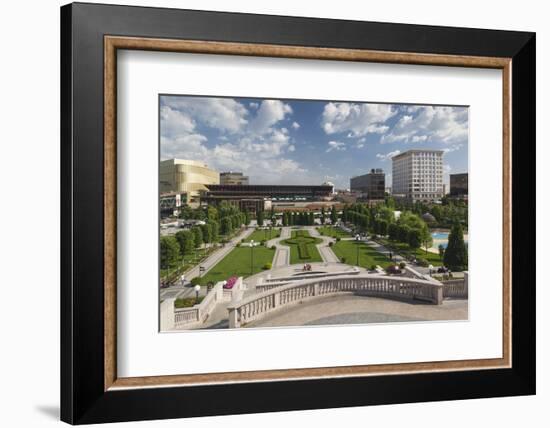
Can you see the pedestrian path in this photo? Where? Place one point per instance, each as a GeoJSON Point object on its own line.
{"type": "Point", "coordinates": [324, 249]}
{"type": "Point", "coordinates": [282, 252]}
{"type": "Point", "coordinates": [209, 263]}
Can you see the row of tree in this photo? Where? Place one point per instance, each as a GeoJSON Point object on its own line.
{"type": "Point", "coordinates": [218, 221]}
{"type": "Point", "coordinates": [409, 228]}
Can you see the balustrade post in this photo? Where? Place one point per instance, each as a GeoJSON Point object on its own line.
{"type": "Point", "coordinates": [316, 289]}
{"type": "Point", "coordinates": [233, 318]}
{"type": "Point", "coordinates": [438, 294]}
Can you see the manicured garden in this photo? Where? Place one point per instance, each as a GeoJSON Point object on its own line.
{"type": "Point", "coordinates": [197, 256]}
{"type": "Point", "coordinates": [405, 251]}
{"type": "Point", "coordinates": [334, 232]}
{"type": "Point", "coordinates": [238, 263]}
{"type": "Point", "coordinates": [346, 251]}
{"type": "Point", "coordinates": [303, 247]}
{"type": "Point", "coordinates": [260, 235]}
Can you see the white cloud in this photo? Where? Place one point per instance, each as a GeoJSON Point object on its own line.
{"type": "Point", "coordinates": [387, 156]}
{"type": "Point", "coordinates": [356, 119]}
{"type": "Point", "coordinates": [335, 145]}
{"type": "Point", "coordinates": [453, 148]}
{"type": "Point", "coordinates": [269, 113]}
{"type": "Point", "coordinates": [224, 114]}
{"type": "Point", "coordinates": [254, 105]}
{"type": "Point", "coordinates": [295, 125]}
{"type": "Point", "coordinates": [360, 143]}
{"type": "Point", "coordinates": [448, 125]}
{"type": "Point", "coordinates": [175, 122]}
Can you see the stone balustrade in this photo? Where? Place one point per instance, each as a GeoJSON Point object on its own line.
{"type": "Point", "coordinates": [257, 306]}
{"type": "Point", "coordinates": [172, 318]}
{"type": "Point", "coordinates": [456, 288]}
{"type": "Point", "coordinates": [300, 277]}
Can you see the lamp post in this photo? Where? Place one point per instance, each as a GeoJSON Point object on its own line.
{"type": "Point", "coordinates": [357, 239]}
{"type": "Point", "coordinates": [251, 257]}
{"type": "Point", "coordinates": [430, 267]}
{"type": "Point", "coordinates": [197, 290]}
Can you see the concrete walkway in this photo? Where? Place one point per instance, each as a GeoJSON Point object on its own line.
{"type": "Point", "coordinates": [187, 290]}
{"type": "Point", "coordinates": [324, 249]}
{"type": "Point", "coordinates": [282, 252]}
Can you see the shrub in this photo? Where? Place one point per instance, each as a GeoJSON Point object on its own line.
{"type": "Point", "coordinates": [196, 281]}
{"type": "Point", "coordinates": [343, 259]}
{"type": "Point", "coordinates": [393, 269]}
{"type": "Point", "coordinates": [267, 266]}
{"type": "Point", "coordinates": [422, 262]}
{"type": "Point", "coordinates": [263, 242]}
{"type": "Point", "coordinates": [402, 265]}
{"type": "Point", "coordinates": [330, 244]}
{"type": "Point", "coordinates": [230, 282]}
{"type": "Point", "coordinates": [372, 267]}
{"type": "Point", "coordinates": [273, 247]}
{"type": "Point", "coordinates": [187, 302]}
{"type": "Point", "coordinates": [303, 251]}
{"type": "Point", "coordinates": [338, 239]}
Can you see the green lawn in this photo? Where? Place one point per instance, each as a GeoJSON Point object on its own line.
{"type": "Point", "coordinates": [237, 263]}
{"type": "Point", "coordinates": [334, 232]}
{"type": "Point", "coordinates": [260, 235]}
{"type": "Point", "coordinates": [303, 247]}
{"type": "Point", "coordinates": [183, 266]}
{"type": "Point", "coordinates": [404, 250]}
{"type": "Point", "coordinates": [368, 256]}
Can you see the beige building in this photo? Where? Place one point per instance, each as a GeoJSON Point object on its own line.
{"type": "Point", "coordinates": [232, 177]}
{"type": "Point", "coordinates": [418, 175]}
{"type": "Point", "coordinates": [189, 176]}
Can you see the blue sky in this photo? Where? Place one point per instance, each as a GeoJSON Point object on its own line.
{"type": "Point", "coordinates": [307, 142]}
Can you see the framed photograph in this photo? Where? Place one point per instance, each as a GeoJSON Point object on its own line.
{"type": "Point", "coordinates": [266, 213]}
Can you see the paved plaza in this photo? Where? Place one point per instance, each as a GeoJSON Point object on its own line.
{"type": "Point", "coordinates": [350, 309]}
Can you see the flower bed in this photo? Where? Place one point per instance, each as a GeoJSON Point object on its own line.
{"type": "Point", "coordinates": [230, 283]}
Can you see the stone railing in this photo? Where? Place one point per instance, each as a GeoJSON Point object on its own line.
{"type": "Point", "coordinates": [173, 318]}
{"type": "Point", "coordinates": [456, 288]}
{"type": "Point", "coordinates": [257, 306]}
{"type": "Point", "coordinates": [301, 277]}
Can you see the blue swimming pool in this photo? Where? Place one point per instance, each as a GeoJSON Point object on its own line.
{"type": "Point", "coordinates": [441, 238]}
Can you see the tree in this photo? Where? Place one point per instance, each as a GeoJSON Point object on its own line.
{"type": "Point", "coordinates": [426, 238]}
{"type": "Point", "coordinates": [382, 226]}
{"type": "Point", "coordinates": [323, 215]}
{"type": "Point", "coordinates": [227, 226]}
{"type": "Point", "coordinates": [441, 250]}
{"type": "Point", "coordinates": [206, 230]}
{"type": "Point", "coordinates": [393, 231]}
{"type": "Point", "coordinates": [414, 238]}
{"type": "Point", "coordinates": [212, 214]}
{"type": "Point", "coordinates": [260, 218]}
{"type": "Point", "coordinates": [456, 254]}
{"type": "Point", "coordinates": [197, 234]}
{"type": "Point", "coordinates": [186, 242]}
{"type": "Point", "coordinates": [169, 252]}
{"type": "Point", "coordinates": [215, 231]}
{"type": "Point", "coordinates": [333, 215]}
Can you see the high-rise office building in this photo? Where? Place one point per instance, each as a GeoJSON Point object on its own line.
{"type": "Point", "coordinates": [459, 184]}
{"type": "Point", "coordinates": [418, 175]}
{"type": "Point", "coordinates": [372, 185]}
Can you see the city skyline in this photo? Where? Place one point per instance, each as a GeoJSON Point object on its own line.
{"type": "Point", "coordinates": [308, 142]}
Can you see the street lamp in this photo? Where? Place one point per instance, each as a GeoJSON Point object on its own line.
{"type": "Point", "coordinates": [430, 267]}
{"type": "Point", "coordinates": [197, 290]}
{"type": "Point", "coordinates": [251, 257]}
{"type": "Point", "coordinates": [357, 239]}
